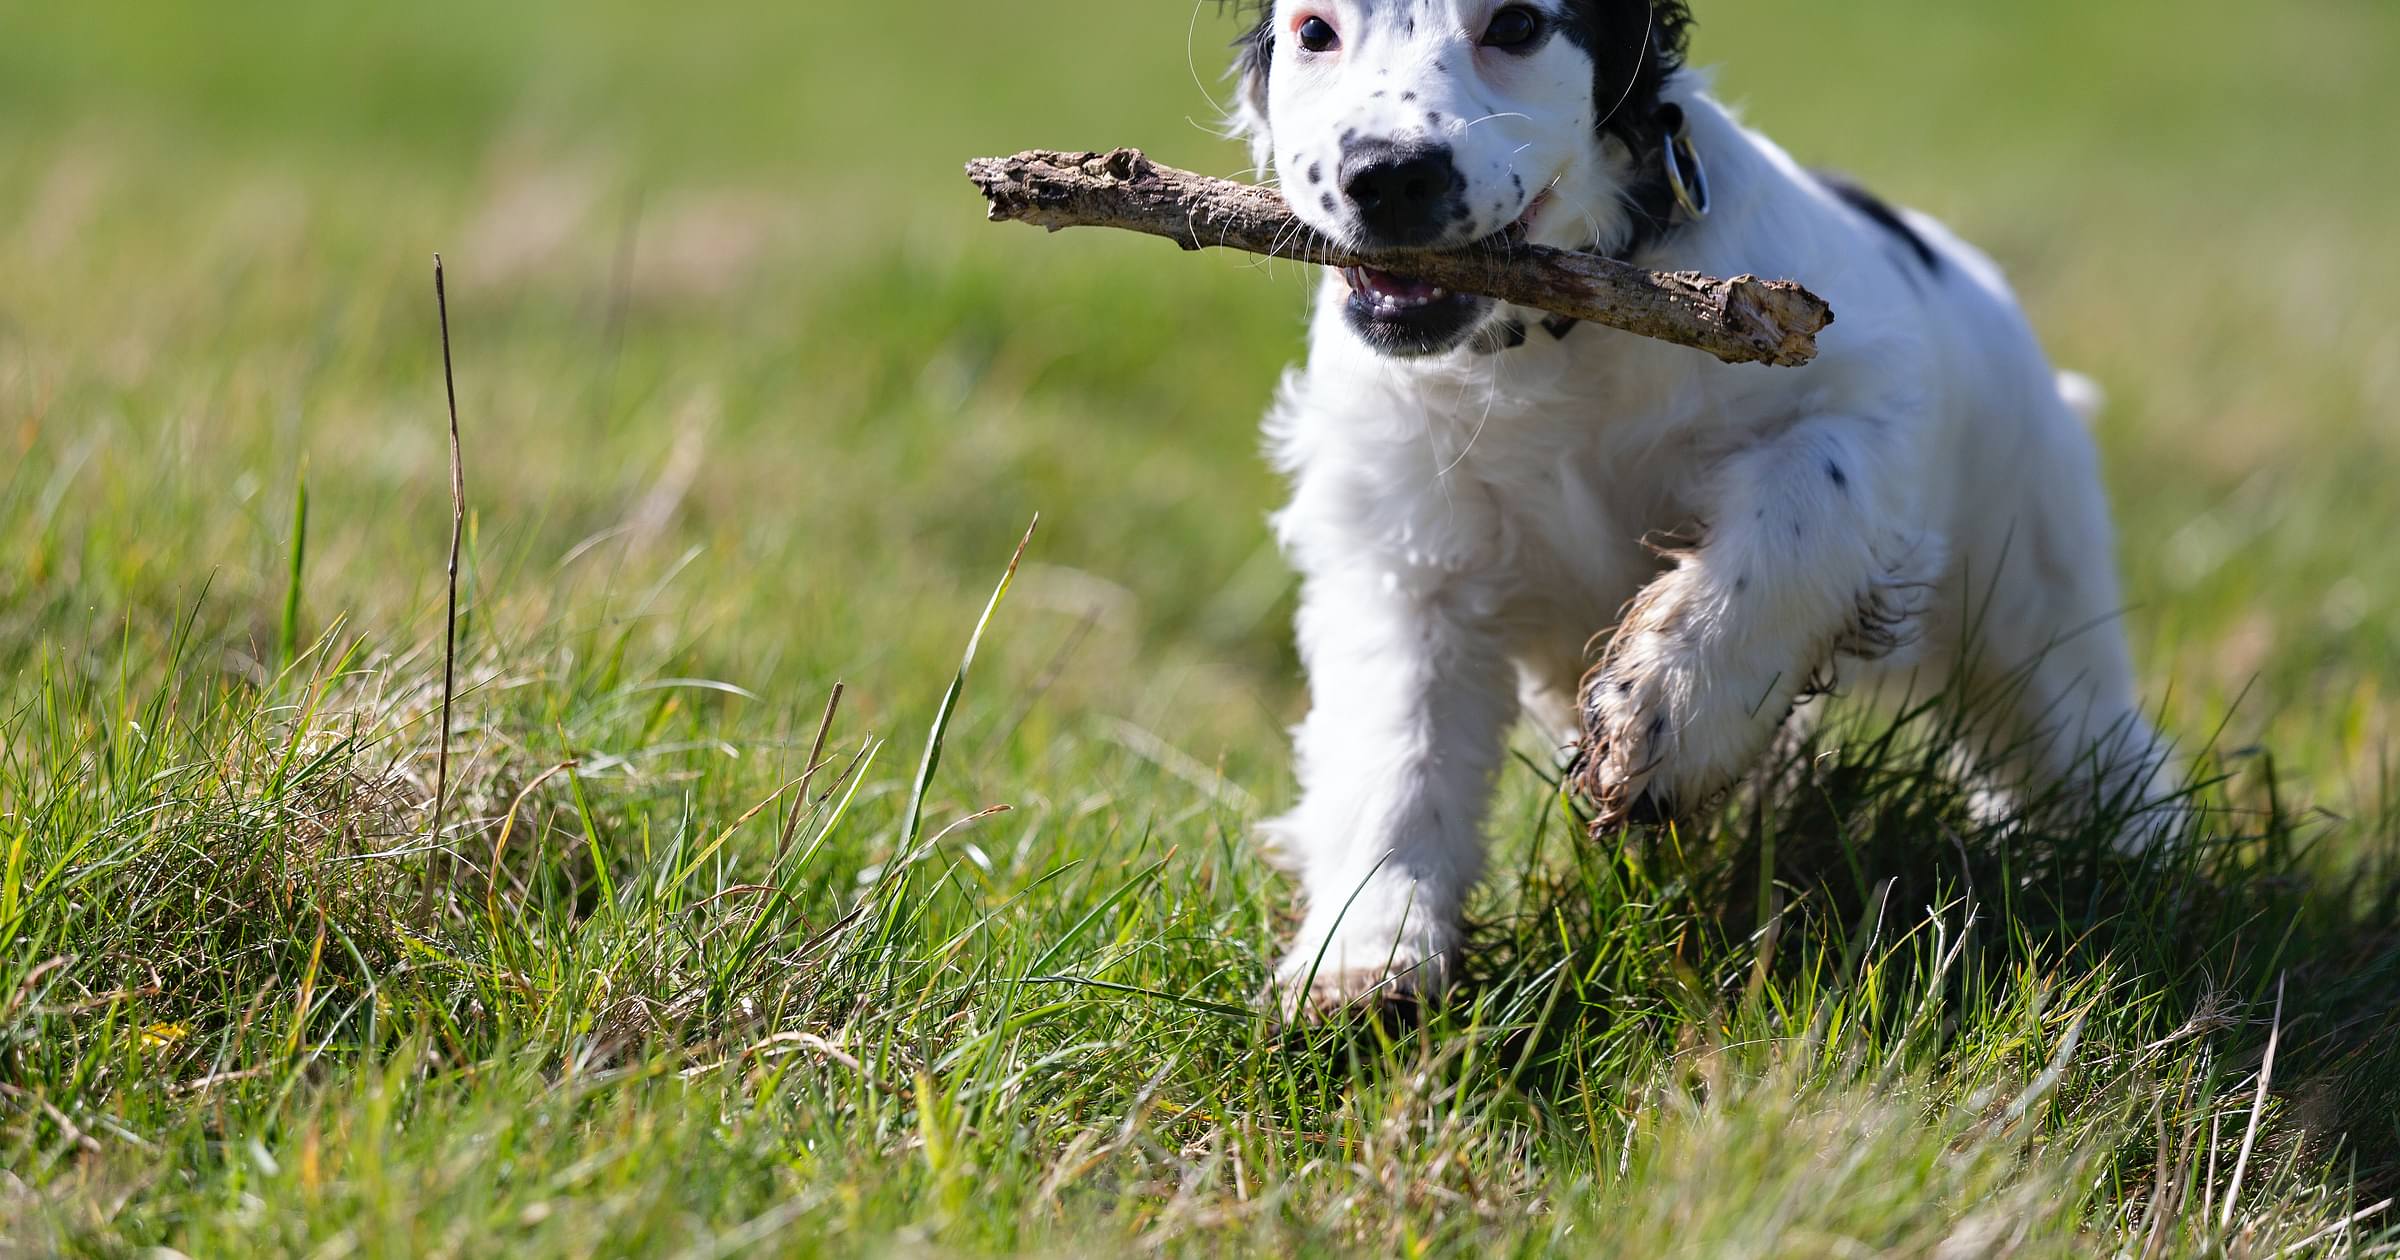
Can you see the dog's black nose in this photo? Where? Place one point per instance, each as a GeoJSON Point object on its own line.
{"type": "Point", "coordinates": [1405, 193]}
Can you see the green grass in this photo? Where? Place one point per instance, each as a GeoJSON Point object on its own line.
{"type": "Point", "coordinates": [754, 405]}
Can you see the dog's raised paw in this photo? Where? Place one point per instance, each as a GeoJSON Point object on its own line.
{"type": "Point", "coordinates": [1626, 735]}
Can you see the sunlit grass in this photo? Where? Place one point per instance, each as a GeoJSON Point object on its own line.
{"type": "Point", "coordinates": [754, 406]}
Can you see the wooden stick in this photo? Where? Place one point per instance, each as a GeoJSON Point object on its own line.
{"type": "Point", "coordinates": [1742, 320]}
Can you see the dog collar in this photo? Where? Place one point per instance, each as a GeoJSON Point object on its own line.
{"type": "Point", "coordinates": [1677, 194]}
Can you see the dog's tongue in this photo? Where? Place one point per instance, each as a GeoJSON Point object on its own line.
{"type": "Point", "coordinates": [1391, 288]}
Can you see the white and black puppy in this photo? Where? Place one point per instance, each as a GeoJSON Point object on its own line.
{"type": "Point", "coordinates": [1476, 489]}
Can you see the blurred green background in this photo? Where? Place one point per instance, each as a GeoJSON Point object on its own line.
{"type": "Point", "coordinates": [755, 401]}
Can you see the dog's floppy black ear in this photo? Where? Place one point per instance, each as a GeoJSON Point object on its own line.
{"type": "Point", "coordinates": [1253, 60]}
{"type": "Point", "coordinates": [1635, 47]}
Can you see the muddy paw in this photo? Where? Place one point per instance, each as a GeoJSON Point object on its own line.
{"type": "Point", "coordinates": [1312, 990]}
{"type": "Point", "coordinates": [1628, 730]}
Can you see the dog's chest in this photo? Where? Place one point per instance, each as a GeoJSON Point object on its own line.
{"type": "Point", "coordinates": [1530, 482]}
{"type": "Point", "coordinates": [1572, 492]}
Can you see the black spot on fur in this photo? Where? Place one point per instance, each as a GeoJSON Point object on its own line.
{"type": "Point", "coordinates": [1378, 94]}
{"type": "Point", "coordinates": [1433, 118]}
{"type": "Point", "coordinates": [1330, 206]}
{"type": "Point", "coordinates": [1316, 172]}
{"type": "Point", "coordinates": [1409, 96]}
{"type": "Point", "coordinates": [1833, 472]}
{"type": "Point", "coordinates": [1880, 213]}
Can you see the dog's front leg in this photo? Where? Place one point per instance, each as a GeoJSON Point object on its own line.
{"type": "Point", "coordinates": [1810, 554]}
{"type": "Point", "coordinates": [1411, 695]}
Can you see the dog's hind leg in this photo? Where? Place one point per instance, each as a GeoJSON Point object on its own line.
{"type": "Point", "coordinates": [2050, 695]}
{"type": "Point", "coordinates": [2063, 731]}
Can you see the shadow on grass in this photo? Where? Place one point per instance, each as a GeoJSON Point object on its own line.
{"type": "Point", "coordinates": [1857, 910]}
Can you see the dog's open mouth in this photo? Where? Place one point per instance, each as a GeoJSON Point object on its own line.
{"type": "Point", "coordinates": [1406, 317]}
{"type": "Point", "coordinates": [1388, 296]}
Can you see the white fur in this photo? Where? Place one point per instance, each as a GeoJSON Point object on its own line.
{"type": "Point", "coordinates": [1465, 523]}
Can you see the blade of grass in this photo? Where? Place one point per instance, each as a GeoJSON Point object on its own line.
{"type": "Point", "coordinates": [941, 719]}
{"type": "Point", "coordinates": [287, 641]}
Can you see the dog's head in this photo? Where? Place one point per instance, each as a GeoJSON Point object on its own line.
{"type": "Point", "coordinates": [1436, 124]}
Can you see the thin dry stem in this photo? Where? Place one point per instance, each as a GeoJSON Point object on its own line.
{"type": "Point", "coordinates": [808, 773]}
{"type": "Point", "coordinates": [458, 522]}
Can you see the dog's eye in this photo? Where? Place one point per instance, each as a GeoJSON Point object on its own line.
{"type": "Point", "coordinates": [1513, 27]}
{"type": "Point", "coordinates": [1317, 35]}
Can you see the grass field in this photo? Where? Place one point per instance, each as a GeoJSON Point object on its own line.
{"type": "Point", "coordinates": [754, 405]}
